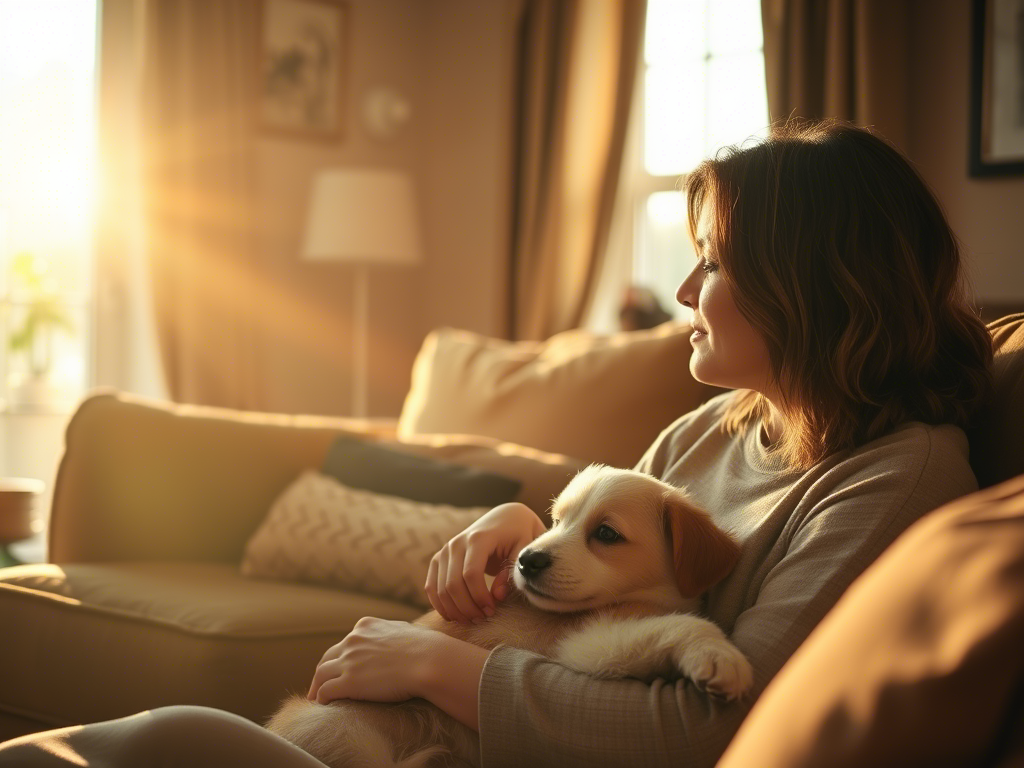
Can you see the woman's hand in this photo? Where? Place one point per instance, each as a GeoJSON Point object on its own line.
{"type": "Point", "coordinates": [383, 660]}
{"type": "Point", "coordinates": [455, 582]}
{"type": "Point", "coordinates": [378, 660]}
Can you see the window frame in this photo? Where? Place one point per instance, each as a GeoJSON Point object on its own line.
{"type": "Point", "coordinates": [640, 184]}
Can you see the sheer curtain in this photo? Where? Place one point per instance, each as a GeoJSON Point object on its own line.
{"type": "Point", "coordinates": [199, 195]}
{"type": "Point", "coordinates": [126, 354]}
{"type": "Point", "coordinates": [176, 242]}
{"type": "Point", "coordinates": [576, 69]}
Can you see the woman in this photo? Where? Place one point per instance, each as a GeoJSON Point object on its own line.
{"type": "Point", "coordinates": [828, 295]}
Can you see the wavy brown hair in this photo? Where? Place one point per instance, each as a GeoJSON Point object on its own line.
{"type": "Point", "coordinates": [840, 256]}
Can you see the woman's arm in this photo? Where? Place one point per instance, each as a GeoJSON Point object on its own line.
{"type": "Point", "coordinates": [534, 711]}
{"type": "Point", "coordinates": [450, 678]}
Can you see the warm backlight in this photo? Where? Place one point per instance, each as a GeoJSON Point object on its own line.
{"type": "Point", "coordinates": [704, 83]}
{"type": "Point", "coordinates": [47, 127]}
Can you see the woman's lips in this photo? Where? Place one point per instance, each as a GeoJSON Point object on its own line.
{"type": "Point", "coordinates": [698, 334]}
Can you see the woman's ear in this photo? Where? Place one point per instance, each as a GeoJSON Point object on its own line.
{"type": "Point", "coordinates": [702, 553]}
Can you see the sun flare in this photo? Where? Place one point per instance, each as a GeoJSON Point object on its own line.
{"type": "Point", "coordinates": [47, 132]}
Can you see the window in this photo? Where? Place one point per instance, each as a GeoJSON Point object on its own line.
{"type": "Point", "coordinates": [702, 86]}
{"type": "Point", "coordinates": [47, 164]}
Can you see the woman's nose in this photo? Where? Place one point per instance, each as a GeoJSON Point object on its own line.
{"type": "Point", "coordinates": [688, 290]}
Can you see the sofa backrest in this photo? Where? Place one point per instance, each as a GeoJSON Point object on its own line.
{"type": "Point", "coordinates": [598, 398]}
{"type": "Point", "coordinates": [997, 440]}
{"type": "Point", "coordinates": [148, 480]}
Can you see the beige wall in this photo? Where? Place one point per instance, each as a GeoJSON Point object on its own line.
{"type": "Point", "coordinates": [467, 166]}
{"type": "Point", "coordinates": [987, 214]}
{"type": "Point", "coordinates": [451, 58]}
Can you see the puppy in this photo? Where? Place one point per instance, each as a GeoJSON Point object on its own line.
{"type": "Point", "coordinates": [606, 591]}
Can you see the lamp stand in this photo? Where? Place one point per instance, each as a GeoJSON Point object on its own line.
{"type": "Point", "coordinates": [360, 343]}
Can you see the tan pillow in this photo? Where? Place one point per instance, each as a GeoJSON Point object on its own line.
{"type": "Point", "coordinates": [596, 398]}
{"type": "Point", "coordinates": [997, 447]}
{"type": "Point", "coordinates": [319, 530]}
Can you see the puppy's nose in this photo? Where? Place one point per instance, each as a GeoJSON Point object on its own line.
{"type": "Point", "coordinates": [532, 563]}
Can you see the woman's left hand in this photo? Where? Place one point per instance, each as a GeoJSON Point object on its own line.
{"type": "Point", "coordinates": [378, 660]}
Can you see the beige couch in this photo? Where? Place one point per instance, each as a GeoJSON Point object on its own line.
{"type": "Point", "coordinates": [143, 604]}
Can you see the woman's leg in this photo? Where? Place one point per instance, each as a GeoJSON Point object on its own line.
{"type": "Point", "coordinates": [186, 736]}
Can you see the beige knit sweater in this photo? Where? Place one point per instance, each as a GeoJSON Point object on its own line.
{"type": "Point", "coordinates": [806, 536]}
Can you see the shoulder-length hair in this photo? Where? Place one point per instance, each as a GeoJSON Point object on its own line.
{"type": "Point", "coordinates": [840, 256]}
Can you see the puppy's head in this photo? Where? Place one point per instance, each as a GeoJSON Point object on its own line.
{"type": "Point", "coordinates": [621, 536]}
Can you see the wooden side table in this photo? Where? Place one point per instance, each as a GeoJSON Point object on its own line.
{"type": "Point", "coordinates": [18, 499]}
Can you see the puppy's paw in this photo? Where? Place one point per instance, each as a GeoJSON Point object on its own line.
{"type": "Point", "coordinates": [718, 667]}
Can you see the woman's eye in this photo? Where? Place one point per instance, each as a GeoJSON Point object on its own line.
{"type": "Point", "coordinates": [709, 266]}
{"type": "Point", "coordinates": [607, 534]}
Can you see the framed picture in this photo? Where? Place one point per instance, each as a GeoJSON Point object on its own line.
{"type": "Point", "coordinates": [301, 74]}
{"type": "Point", "coordinates": [997, 88]}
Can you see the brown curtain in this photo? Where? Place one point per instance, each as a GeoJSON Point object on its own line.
{"type": "Point", "coordinates": [839, 58]}
{"type": "Point", "coordinates": [198, 190]}
{"type": "Point", "coordinates": [576, 67]}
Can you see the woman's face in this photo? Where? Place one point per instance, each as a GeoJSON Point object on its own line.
{"type": "Point", "coordinates": [727, 351]}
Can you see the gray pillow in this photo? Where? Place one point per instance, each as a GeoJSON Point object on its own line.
{"type": "Point", "coordinates": [371, 467]}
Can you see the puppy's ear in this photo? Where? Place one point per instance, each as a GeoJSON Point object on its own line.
{"type": "Point", "coordinates": [702, 553]}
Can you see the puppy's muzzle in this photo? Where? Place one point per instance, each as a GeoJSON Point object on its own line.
{"type": "Point", "coordinates": [533, 563]}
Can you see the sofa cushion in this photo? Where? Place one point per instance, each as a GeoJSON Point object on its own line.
{"type": "Point", "coordinates": [597, 398]}
{"type": "Point", "coordinates": [319, 530]}
{"type": "Point", "coordinates": [997, 441]}
{"type": "Point", "coordinates": [93, 638]}
{"type": "Point", "coordinates": [381, 469]}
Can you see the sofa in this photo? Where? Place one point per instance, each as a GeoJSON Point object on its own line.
{"type": "Point", "coordinates": [143, 602]}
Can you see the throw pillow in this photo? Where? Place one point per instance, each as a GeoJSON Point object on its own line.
{"type": "Point", "coordinates": [596, 398]}
{"type": "Point", "coordinates": [319, 530]}
{"type": "Point", "coordinates": [997, 451]}
{"type": "Point", "coordinates": [370, 467]}
{"type": "Point", "coordinates": [543, 475]}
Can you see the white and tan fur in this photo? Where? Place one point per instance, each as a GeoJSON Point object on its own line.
{"type": "Point", "coordinates": [612, 609]}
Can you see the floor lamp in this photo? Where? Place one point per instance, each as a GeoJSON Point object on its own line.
{"type": "Point", "coordinates": [365, 217]}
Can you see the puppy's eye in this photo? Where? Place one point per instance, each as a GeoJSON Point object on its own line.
{"type": "Point", "coordinates": [607, 534]}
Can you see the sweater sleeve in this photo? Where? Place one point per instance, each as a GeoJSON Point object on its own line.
{"type": "Point", "coordinates": [534, 711]}
{"type": "Point", "coordinates": [537, 712]}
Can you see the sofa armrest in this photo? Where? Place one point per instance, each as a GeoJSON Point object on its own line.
{"type": "Point", "coordinates": [144, 480]}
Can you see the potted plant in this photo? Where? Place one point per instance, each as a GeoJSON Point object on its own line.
{"type": "Point", "coordinates": [39, 313]}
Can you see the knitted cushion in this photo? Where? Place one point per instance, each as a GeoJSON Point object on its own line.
{"type": "Point", "coordinates": [319, 530]}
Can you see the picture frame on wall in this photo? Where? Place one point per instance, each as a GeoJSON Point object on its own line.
{"type": "Point", "coordinates": [301, 70]}
{"type": "Point", "coordinates": [997, 88]}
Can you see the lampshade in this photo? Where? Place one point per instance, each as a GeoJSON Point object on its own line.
{"type": "Point", "coordinates": [363, 215]}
